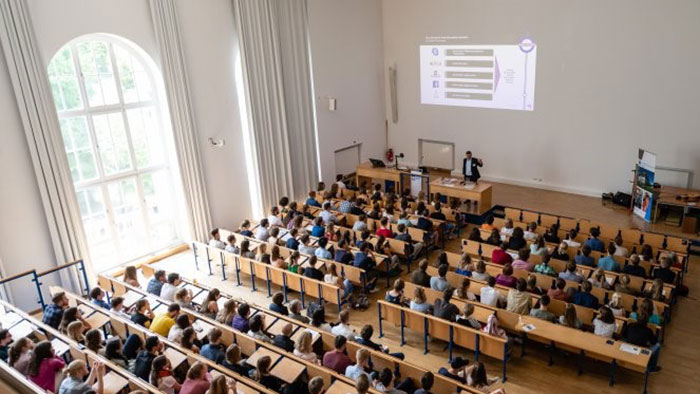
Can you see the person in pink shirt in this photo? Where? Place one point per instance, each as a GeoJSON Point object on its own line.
{"type": "Point", "coordinates": [506, 277]}
{"type": "Point", "coordinates": [197, 381]}
{"type": "Point", "coordinates": [500, 255]}
{"type": "Point", "coordinates": [43, 366]}
{"type": "Point", "coordinates": [521, 263]}
{"type": "Point", "coordinates": [384, 230]}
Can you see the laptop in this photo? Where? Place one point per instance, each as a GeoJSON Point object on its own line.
{"type": "Point", "coordinates": [376, 163]}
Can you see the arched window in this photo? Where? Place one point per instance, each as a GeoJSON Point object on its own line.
{"type": "Point", "coordinates": [106, 97]}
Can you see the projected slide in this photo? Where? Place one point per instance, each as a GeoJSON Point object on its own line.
{"type": "Point", "coordinates": [483, 76]}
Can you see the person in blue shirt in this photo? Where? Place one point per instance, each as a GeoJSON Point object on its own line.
{"type": "Point", "coordinates": [321, 252]}
{"type": "Point", "coordinates": [98, 296]}
{"type": "Point", "coordinates": [214, 350]}
{"type": "Point", "coordinates": [594, 243]}
{"type": "Point", "coordinates": [53, 313]}
{"type": "Point", "coordinates": [156, 283]}
{"type": "Point", "coordinates": [244, 229]}
{"type": "Point", "coordinates": [364, 260]}
{"type": "Point", "coordinates": [292, 242]}
{"type": "Point", "coordinates": [584, 258]}
{"type": "Point", "coordinates": [342, 253]}
{"type": "Point", "coordinates": [318, 230]}
{"type": "Point", "coordinates": [584, 297]}
{"type": "Point", "coordinates": [311, 201]}
{"type": "Point", "coordinates": [608, 262]}
{"type": "Point", "coordinates": [277, 304]}
{"type": "Point", "coordinates": [311, 271]}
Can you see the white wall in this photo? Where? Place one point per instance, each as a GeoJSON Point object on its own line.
{"type": "Point", "coordinates": [612, 77]}
{"type": "Point", "coordinates": [207, 33]}
{"type": "Point", "coordinates": [346, 47]}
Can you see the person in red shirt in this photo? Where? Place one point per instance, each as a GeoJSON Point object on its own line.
{"type": "Point", "coordinates": [336, 359]}
{"type": "Point", "coordinates": [506, 277]}
{"type": "Point", "coordinates": [500, 255]}
{"type": "Point", "coordinates": [383, 229]}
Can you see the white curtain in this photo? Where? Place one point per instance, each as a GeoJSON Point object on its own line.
{"type": "Point", "coordinates": [274, 46]}
{"type": "Point", "coordinates": [167, 30]}
{"type": "Point", "coordinates": [40, 122]}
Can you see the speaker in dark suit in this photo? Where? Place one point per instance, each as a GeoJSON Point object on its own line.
{"type": "Point", "coordinates": [470, 167]}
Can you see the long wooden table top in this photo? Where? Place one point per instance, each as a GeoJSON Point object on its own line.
{"type": "Point", "coordinates": [458, 184]}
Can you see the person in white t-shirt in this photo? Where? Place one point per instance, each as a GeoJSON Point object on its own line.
{"type": "Point", "coordinates": [343, 328]}
{"type": "Point", "coordinates": [169, 289]}
{"type": "Point", "coordinates": [619, 249]}
{"type": "Point", "coordinates": [274, 219]}
{"type": "Point", "coordinates": [489, 295]}
{"type": "Point", "coordinates": [571, 239]}
{"type": "Point", "coordinates": [215, 241]}
{"type": "Point", "coordinates": [507, 228]}
{"type": "Point", "coordinates": [530, 234]}
{"type": "Point", "coordinates": [339, 181]}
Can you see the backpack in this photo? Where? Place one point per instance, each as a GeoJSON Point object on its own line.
{"type": "Point", "coordinates": [313, 307]}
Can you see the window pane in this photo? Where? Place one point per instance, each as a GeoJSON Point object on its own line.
{"type": "Point", "coordinates": [86, 160]}
{"type": "Point", "coordinates": [112, 143]}
{"type": "Point", "coordinates": [64, 81]}
{"type": "Point", "coordinates": [128, 219]}
{"type": "Point", "coordinates": [145, 137]}
{"type": "Point", "coordinates": [136, 86]}
{"type": "Point", "coordinates": [76, 140]}
{"type": "Point", "coordinates": [96, 67]}
{"type": "Point", "coordinates": [156, 194]}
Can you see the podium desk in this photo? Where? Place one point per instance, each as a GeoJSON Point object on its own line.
{"type": "Point", "coordinates": [453, 187]}
{"type": "Point", "coordinates": [366, 173]}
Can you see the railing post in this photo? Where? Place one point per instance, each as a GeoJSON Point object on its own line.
{"type": "Point", "coordinates": [223, 264]}
{"type": "Point", "coordinates": [81, 264]}
{"type": "Point", "coordinates": [267, 279]}
{"type": "Point", "coordinates": [425, 335]}
{"type": "Point", "coordinates": [303, 293]}
{"type": "Point", "coordinates": [403, 322]}
{"type": "Point", "coordinates": [379, 312]}
{"type": "Point", "coordinates": [35, 279]}
{"type": "Point", "coordinates": [196, 259]}
{"type": "Point", "coordinates": [252, 274]}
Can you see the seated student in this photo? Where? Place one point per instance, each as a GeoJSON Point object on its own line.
{"type": "Point", "coordinates": [639, 334]}
{"type": "Point", "coordinates": [241, 320]}
{"type": "Point", "coordinates": [274, 238]}
{"type": "Point", "coordinates": [584, 297]}
{"type": "Point", "coordinates": [395, 295]}
{"type": "Point", "coordinates": [343, 255]}
{"type": "Point", "coordinates": [569, 317]}
{"type": "Point", "coordinates": [53, 313]}
{"type": "Point", "coordinates": [263, 231]}
{"type": "Point", "coordinates": [463, 291]}
{"type": "Point", "coordinates": [336, 359]}
{"type": "Point", "coordinates": [556, 292]}
{"type": "Point", "coordinates": [505, 278]}
{"type": "Point", "coordinates": [594, 243]}
{"type": "Point", "coordinates": [604, 323]}
{"type": "Point", "coordinates": [375, 212]}
{"type": "Point", "coordinates": [533, 287]}
{"type": "Point", "coordinates": [419, 302]}
{"type": "Point", "coordinates": [616, 305]}
{"type": "Point", "coordinates": [19, 355]}
{"type": "Point", "coordinates": [75, 332]}
{"type": "Point", "coordinates": [585, 257]}
{"type": "Point", "coordinates": [97, 295]}
{"type": "Point", "coordinates": [75, 382]}
{"type": "Point", "coordinates": [571, 239]}
{"type": "Point", "coordinates": [361, 365]}
{"type": "Point", "coordinates": [292, 242]}
{"type": "Point", "coordinates": [311, 201]}
{"type": "Point", "coordinates": [664, 272]}
{"type": "Point", "coordinates": [284, 339]}
{"type": "Point", "coordinates": [343, 327]}
{"type": "Point", "coordinates": [162, 376]}
{"type": "Point", "coordinates": [182, 321]}
{"type": "Point", "coordinates": [465, 265]}
{"type": "Point", "coordinates": [538, 247]}
{"type": "Point", "coordinates": [608, 263]}
{"type": "Point", "coordinates": [479, 272]}
{"type": "Point", "coordinates": [633, 268]}
{"type": "Point", "coordinates": [442, 260]}
{"type": "Point", "coordinates": [389, 213]}
{"type": "Point", "coordinates": [478, 379]}
{"type": "Point", "coordinates": [488, 223]}
{"type": "Point", "coordinates": [256, 328]}
{"type": "Point", "coordinates": [143, 315]}
{"type": "Point", "coordinates": [426, 383]}
{"type": "Point", "coordinates": [305, 247]}
{"type": "Point", "coordinates": [155, 285]}
{"type": "Point", "coordinates": [551, 235]}
{"type": "Point", "coordinates": [571, 273]}
{"type": "Point", "coordinates": [5, 342]}
{"type": "Point", "coordinates": [489, 295]}
{"type": "Point", "coordinates": [561, 253]}
{"type": "Point", "coordinates": [475, 235]}
{"type": "Point", "coordinates": [619, 249]}
{"type": "Point", "coordinates": [318, 320]}
{"type": "Point", "coordinates": [93, 340]}
{"type": "Point", "coordinates": [647, 307]}
{"type": "Point", "coordinates": [277, 304]}
{"type": "Point", "coordinates": [262, 255]}
{"type": "Point", "coordinates": [170, 288]}
{"type": "Point", "coordinates": [113, 352]}
{"type": "Point", "coordinates": [132, 346]}
{"type": "Point", "coordinates": [494, 238]}
{"type": "Point", "coordinates": [517, 240]}
{"type": "Point", "coordinates": [231, 245]}
{"type": "Point", "coordinates": [530, 233]}
{"type": "Point", "coordinates": [646, 253]}
{"type": "Point", "coordinates": [365, 339]}
{"type": "Point", "coordinates": [184, 299]}
{"type": "Point", "coordinates": [232, 360]}
{"type": "Point", "coordinates": [44, 365]}
{"type": "Point", "coordinates": [144, 360]}
{"type": "Point", "coordinates": [327, 215]}
{"type": "Point", "coordinates": [131, 276]}
{"type": "Point", "coordinates": [214, 350]}
{"type": "Point", "coordinates": [361, 223]}
{"type": "Point", "coordinates": [162, 323]}
{"type": "Point", "coordinates": [197, 381]}
{"type": "Point", "coordinates": [295, 312]}
{"type": "Point", "coordinates": [383, 383]}
{"type": "Point", "coordinates": [467, 318]}
{"type": "Point", "coordinates": [304, 347]}
{"type": "Point", "coordinates": [455, 370]}
{"type": "Point", "coordinates": [274, 219]}
{"type": "Point", "coordinates": [443, 308]}
{"type": "Point", "coordinates": [623, 285]}
{"type": "Point", "coordinates": [521, 263]}
{"type": "Point", "coordinates": [656, 291]}
{"type": "Point", "coordinates": [424, 223]}
{"type": "Point", "coordinates": [507, 228]}
{"type": "Point", "coordinates": [215, 241]}
{"type": "Point", "coordinates": [311, 271]}
{"type": "Point", "coordinates": [439, 282]}
{"type": "Point", "coordinates": [541, 312]}
{"type": "Point", "coordinates": [321, 252]}
{"type": "Point", "coordinates": [420, 276]}
{"type": "Point", "coordinates": [544, 268]}
{"type": "Point", "coordinates": [245, 250]}
{"type": "Point", "coordinates": [501, 256]}
{"type": "Point", "coordinates": [518, 300]}
{"type": "Point", "coordinates": [317, 230]}
{"type": "Point", "coordinates": [244, 229]}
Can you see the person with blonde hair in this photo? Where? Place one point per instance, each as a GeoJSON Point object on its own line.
{"type": "Point", "coordinates": [616, 306]}
{"type": "Point", "coordinates": [227, 313]}
{"type": "Point", "coordinates": [419, 303]}
{"type": "Point", "coordinates": [75, 330]}
{"type": "Point", "coordinates": [131, 276]}
{"type": "Point", "coordinates": [184, 299]}
{"type": "Point", "coordinates": [304, 347]}
{"type": "Point", "coordinates": [197, 381]}
{"type": "Point", "coordinates": [75, 382]}
{"type": "Point", "coordinates": [361, 363]}
{"type": "Point", "coordinates": [223, 385]}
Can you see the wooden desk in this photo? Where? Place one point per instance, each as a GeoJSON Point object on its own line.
{"type": "Point", "coordinates": [130, 298]}
{"type": "Point", "coordinates": [240, 387]}
{"type": "Point", "coordinates": [9, 319]}
{"type": "Point", "coordinates": [288, 370]}
{"type": "Point", "coordinates": [276, 327]}
{"type": "Point", "coordinates": [365, 172]}
{"type": "Point", "coordinates": [22, 329]}
{"type": "Point", "coordinates": [60, 348]}
{"type": "Point", "coordinates": [261, 352]}
{"type": "Point", "coordinates": [175, 357]}
{"type": "Point", "coordinates": [315, 335]}
{"type": "Point", "coordinates": [667, 196]}
{"type": "Point", "coordinates": [113, 383]}
{"type": "Point", "coordinates": [340, 387]}
{"type": "Point", "coordinates": [480, 192]}
{"type": "Point", "coordinates": [97, 320]}
{"type": "Point", "coordinates": [199, 298]}
{"type": "Point", "coordinates": [201, 329]}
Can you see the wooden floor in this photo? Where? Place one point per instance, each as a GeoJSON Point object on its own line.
{"type": "Point", "coordinates": [680, 355]}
